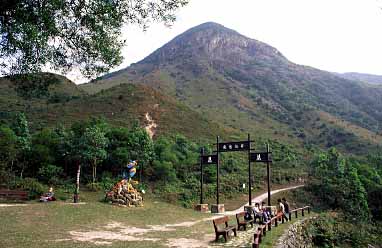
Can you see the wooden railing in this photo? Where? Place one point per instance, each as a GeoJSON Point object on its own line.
{"type": "Point", "coordinates": [262, 230]}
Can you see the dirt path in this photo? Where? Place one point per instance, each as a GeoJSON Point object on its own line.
{"type": "Point", "coordinates": [14, 205]}
{"type": "Point", "coordinates": [150, 128]}
{"type": "Point", "coordinates": [116, 231]}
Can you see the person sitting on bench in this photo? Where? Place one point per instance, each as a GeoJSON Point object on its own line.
{"type": "Point", "coordinates": [266, 212]}
{"type": "Point", "coordinates": [248, 214]}
{"type": "Point", "coordinates": [257, 212]}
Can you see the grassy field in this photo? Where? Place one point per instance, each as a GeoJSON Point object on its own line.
{"type": "Point", "coordinates": [94, 223]}
{"type": "Point", "coordinates": [61, 224]}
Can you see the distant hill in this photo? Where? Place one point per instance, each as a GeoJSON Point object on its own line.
{"type": "Point", "coordinates": [250, 86]}
{"type": "Point", "coordinates": [367, 78]}
{"type": "Point", "coordinates": [121, 105]}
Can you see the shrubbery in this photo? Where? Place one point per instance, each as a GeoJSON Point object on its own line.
{"type": "Point", "coordinates": [31, 185]}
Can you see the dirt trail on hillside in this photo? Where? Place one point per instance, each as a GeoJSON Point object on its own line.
{"type": "Point", "coordinates": [116, 231]}
{"type": "Point", "coordinates": [151, 126]}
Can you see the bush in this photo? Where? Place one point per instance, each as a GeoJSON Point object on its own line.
{"type": "Point", "coordinates": [35, 188]}
{"type": "Point", "coordinates": [62, 194]}
{"type": "Point", "coordinates": [49, 174]}
{"type": "Point", "coordinates": [334, 230]}
{"type": "Point", "coordinates": [107, 182]}
{"type": "Point", "coordinates": [94, 186]}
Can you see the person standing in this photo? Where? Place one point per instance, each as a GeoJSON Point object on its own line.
{"type": "Point", "coordinates": [286, 208]}
{"type": "Point", "coordinates": [281, 209]}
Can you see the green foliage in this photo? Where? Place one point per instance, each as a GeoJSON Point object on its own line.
{"type": "Point", "coordinates": [94, 186]}
{"type": "Point", "coordinates": [94, 144]}
{"type": "Point", "coordinates": [32, 185]}
{"type": "Point", "coordinates": [49, 174]}
{"type": "Point", "coordinates": [336, 182]}
{"type": "Point", "coordinates": [21, 129]}
{"type": "Point", "coordinates": [126, 145]}
{"type": "Point", "coordinates": [86, 33]}
{"type": "Point", "coordinates": [107, 181]}
{"type": "Point", "coordinates": [331, 230]}
{"type": "Point", "coordinates": [164, 171]}
{"type": "Point", "coordinates": [8, 149]}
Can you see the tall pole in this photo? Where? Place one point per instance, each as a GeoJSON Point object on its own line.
{"type": "Point", "coordinates": [201, 175]}
{"type": "Point", "coordinates": [217, 171]}
{"type": "Point", "coordinates": [249, 172]}
{"type": "Point", "coordinates": [140, 172]}
{"type": "Point", "coordinates": [268, 178]}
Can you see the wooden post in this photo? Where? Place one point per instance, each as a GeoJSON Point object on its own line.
{"type": "Point", "coordinates": [296, 213]}
{"type": "Point", "coordinates": [276, 220]}
{"type": "Point", "coordinates": [249, 173]}
{"type": "Point", "coordinates": [268, 178]}
{"type": "Point", "coordinates": [201, 175]}
{"type": "Point", "coordinates": [309, 210]}
{"type": "Point", "coordinates": [302, 212]}
{"type": "Point", "coordinates": [290, 216]}
{"type": "Point", "coordinates": [217, 171]}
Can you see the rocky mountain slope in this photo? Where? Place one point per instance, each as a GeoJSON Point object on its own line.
{"type": "Point", "coordinates": [250, 86]}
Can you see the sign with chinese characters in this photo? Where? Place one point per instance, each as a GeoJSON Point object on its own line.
{"type": "Point", "coordinates": [209, 159]}
{"type": "Point", "coordinates": [261, 157]}
{"type": "Point", "coordinates": [234, 146]}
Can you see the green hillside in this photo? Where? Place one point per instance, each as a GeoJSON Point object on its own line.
{"type": "Point", "coordinates": [121, 106]}
{"type": "Point", "coordinates": [250, 86]}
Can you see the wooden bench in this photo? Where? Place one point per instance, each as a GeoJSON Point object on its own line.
{"type": "Point", "coordinates": [221, 229]}
{"type": "Point", "coordinates": [241, 222]}
{"type": "Point", "coordinates": [13, 195]}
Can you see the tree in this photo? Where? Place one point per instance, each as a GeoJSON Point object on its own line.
{"type": "Point", "coordinates": [133, 144]}
{"type": "Point", "coordinates": [21, 129]}
{"type": "Point", "coordinates": [8, 149]}
{"type": "Point", "coordinates": [335, 180]}
{"type": "Point", "coordinates": [94, 144]}
{"type": "Point", "coordinates": [43, 149]}
{"type": "Point", "coordinates": [66, 34]}
{"type": "Point", "coordinates": [140, 147]}
{"type": "Point", "coordinates": [72, 148]}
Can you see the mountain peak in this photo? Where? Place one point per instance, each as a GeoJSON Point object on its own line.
{"type": "Point", "coordinates": [211, 42]}
{"type": "Point", "coordinates": [209, 25]}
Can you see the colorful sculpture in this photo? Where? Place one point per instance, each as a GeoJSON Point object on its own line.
{"type": "Point", "coordinates": [131, 169]}
{"type": "Point", "coordinates": [123, 193]}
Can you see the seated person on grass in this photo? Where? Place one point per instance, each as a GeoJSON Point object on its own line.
{"type": "Point", "coordinates": [49, 196]}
